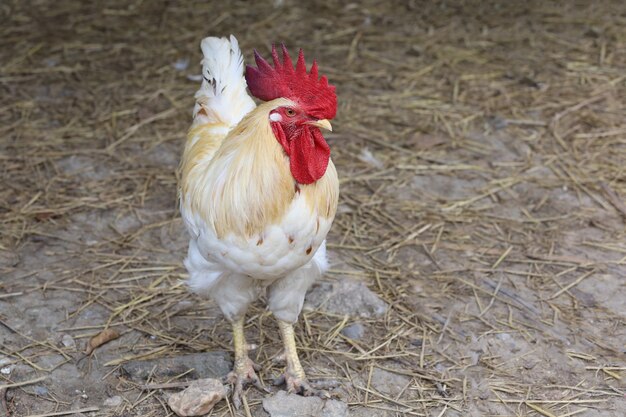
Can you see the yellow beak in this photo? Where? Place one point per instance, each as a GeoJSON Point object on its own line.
{"type": "Point", "coordinates": [322, 124]}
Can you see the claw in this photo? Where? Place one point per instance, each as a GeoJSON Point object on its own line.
{"type": "Point", "coordinates": [279, 381]}
{"type": "Point", "coordinates": [258, 385]}
{"type": "Point", "coordinates": [242, 375]}
{"type": "Point", "coordinates": [300, 386]}
{"type": "Point", "coordinates": [237, 392]}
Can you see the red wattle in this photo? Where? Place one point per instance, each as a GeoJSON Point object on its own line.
{"type": "Point", "coordinates": [308, 156]}
{"type": "Point", "coordinates": [308, 153]}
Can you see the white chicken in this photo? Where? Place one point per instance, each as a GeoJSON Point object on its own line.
{"type": "Point", "coordinates": [258, 193]}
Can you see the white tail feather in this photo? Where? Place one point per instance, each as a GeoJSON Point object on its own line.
{"type": "Point", "coordinates": [222, 97]}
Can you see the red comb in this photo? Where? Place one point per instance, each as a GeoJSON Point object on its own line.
{"type": "Point", "coordinates": [283, 80]}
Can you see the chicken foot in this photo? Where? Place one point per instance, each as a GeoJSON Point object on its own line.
{"type": "Point", "coordinates": [294, 377]}
{"type": "Point", "coordinates": [244, 370]}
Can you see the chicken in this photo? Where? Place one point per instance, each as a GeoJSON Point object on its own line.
{"type": "Point", "coordinates": [258, 193]}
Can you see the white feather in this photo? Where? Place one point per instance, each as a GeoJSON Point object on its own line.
{"type": "Point", "coordinates": [222, 94]}
{"type": "Point", "coordinates": [291, 257]}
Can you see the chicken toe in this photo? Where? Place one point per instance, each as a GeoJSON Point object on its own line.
{"type": "Point", "coordinates": [242, 375]}
{"type": "Point", "coordinates": [299, 385]}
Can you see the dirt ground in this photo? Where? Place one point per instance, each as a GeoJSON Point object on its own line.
{"type": "Point", "coordinates": [478, 256]}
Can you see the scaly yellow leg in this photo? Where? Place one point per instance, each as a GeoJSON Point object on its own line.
{"type": "Point", "coordinates": [294, 376]}
{"type": "Point", "coordinates": [243, 372]}
{"type": "Point", "coordinates": [291, 353]}
{"type": "Point", "coordinates": [239, 343]}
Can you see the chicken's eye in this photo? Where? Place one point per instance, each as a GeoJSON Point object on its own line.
{"type": "Point", "coordinates": [290, 112]}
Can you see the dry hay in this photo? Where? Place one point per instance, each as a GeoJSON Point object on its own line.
{"type": "Point", "coordinates": [481, 148]}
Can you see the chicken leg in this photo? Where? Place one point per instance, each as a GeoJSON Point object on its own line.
{"type": "Point", "coordinates": [294, 377]}
{"type": "Point", "coordinates": [243, 372]}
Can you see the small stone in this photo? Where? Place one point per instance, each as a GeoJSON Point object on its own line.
{"type": "Point", "coordinates": [334, 408]}
{"type": "Point", "coordinates": [290, 405]}
{"type": "Point", "coordinates": [113, 401]}
{"type": "Point", "coordinates": [354, 331]}
{"type": "Point", "coordinates": [346, 296]}
{"type": "Point", "coordinates": [181, 64]}
{"type": "Point", "coordinates": [40, 390]}
{"type": "Point", "coordinates": [7, 370]}
{"type": "Point", "coordinates": [68, 341]}
{"type": "Point", "coordinates": [198, 398]}
{"type": "Point", "coordinates": [504, 336]}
